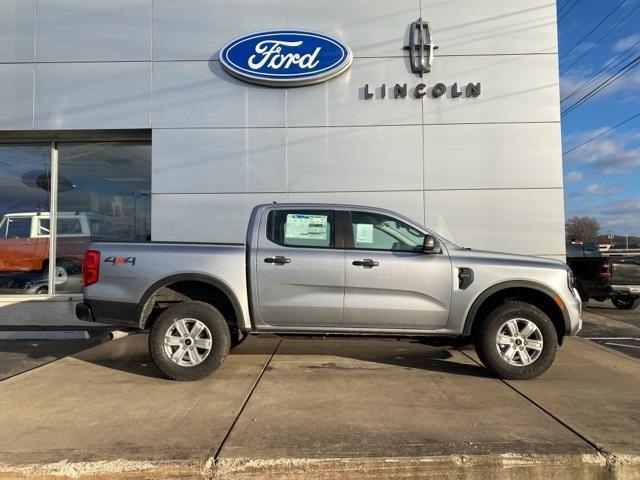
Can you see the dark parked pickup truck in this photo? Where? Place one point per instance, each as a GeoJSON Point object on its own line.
{"type": "Point", "coordinates": [591, 269]}
{"type": "Point", "coordinates": [624, 283]}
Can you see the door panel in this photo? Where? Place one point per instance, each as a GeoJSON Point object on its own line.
{"type": "Point", "coordinates": [390, 281]}
{"type": "Point", "coordinates": [405, 290]}
{"type": "Point", "coordinates": [307, 290]}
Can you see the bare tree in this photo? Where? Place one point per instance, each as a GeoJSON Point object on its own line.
{"type": "Point", "coordinates": [582, 228]}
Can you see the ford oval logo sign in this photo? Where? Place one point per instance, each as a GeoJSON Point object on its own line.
{"type": "Point", "coordinates": [285, 58]}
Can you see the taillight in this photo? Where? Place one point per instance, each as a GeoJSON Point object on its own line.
{"type": "Point", "coordinates": [605, 269]}
{"type": "Point", "coordinates": [90, 267]}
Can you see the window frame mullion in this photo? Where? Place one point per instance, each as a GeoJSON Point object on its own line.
{"type": "Point", "coordinates": [53, 216]}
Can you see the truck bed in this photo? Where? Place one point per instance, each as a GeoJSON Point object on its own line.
{"type": "Point", "coordinates": [129, 270]}
{"type": "Point", "coordinates": [625, 273]}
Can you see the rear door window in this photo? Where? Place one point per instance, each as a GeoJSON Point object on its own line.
{"type": "Point", "coordinates": [302, 228]}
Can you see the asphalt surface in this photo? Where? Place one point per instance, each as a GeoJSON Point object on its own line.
{"type": "Point", "coordinates": [612, 328]}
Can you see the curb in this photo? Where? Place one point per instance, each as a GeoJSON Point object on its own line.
{"type": "Point", "coordinates": [468, 467]}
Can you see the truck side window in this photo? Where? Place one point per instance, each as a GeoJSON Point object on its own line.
{"type": "Point", "coordinates": [19, 227]}
{"type": "Point", "coordinates": [43, 226]}
{"type": "Point", "coordinates": [373, 231]}
{"type": "Point", "coordinates": [301, 228]}
{"type": "Point", "coordinates": [69, 226]}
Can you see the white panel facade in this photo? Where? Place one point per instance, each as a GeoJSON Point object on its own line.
{"type": "Point", "coordinates": [515, 88]}
{"type": "Point", "coordinates": [201, 94]}
{"type": "Point", "coordinates": [16, 30]}
{"type": "Point", "coordinates": [493, 27]}
{"type": "Point", "coordinates": [197, 29]}
{"type": "Point", "coordinates": [357, 22]}
{"type": "Point", "coordinates": [16, 96]}
{"type": "Point", "coordinates": [517, 221]}
{"type": "Point", "coordinates": [205, 217]}
{"type": "Point", "coordinates": [93, 30]}
{"type": "Point", "coordinates": [92, 95]}
{"type": "Point", "coordinates": [341, 101]}
{"type": "Point", "coordinates": [492, 155]}
{"type": "Point", "coordinates": [219, 160]}
{"type": "Point", "coordinates": [341, 159]}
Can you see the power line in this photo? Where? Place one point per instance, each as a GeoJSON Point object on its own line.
{"type": "Point", "coordinates": [567, 11]}
{"type": "Point", "coordinates": [622, 2]}
{"type": "Point", "coordinates": [602, 38]}
{"type": "Point", "coordinates": [559, 10]}
{"type": "Point", "coordinates": [601, 134]}
{"type": "Point", "coordinates": [613, 78]}
{"type": "Point", "coordinates": [609, 66]}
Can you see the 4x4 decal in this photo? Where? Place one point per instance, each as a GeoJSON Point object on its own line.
{"type": "Point", "coordinates": [120, 260]}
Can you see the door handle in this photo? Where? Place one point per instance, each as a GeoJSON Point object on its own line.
{"type": "Point", "coordinates": [278, 260]}
{"type": "Point", "coordinates": [366, 262]}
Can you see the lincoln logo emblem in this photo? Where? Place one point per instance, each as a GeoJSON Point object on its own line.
{"type": "Point", "coordinates": [420, 47]}
{"type": "Point", "coordinates": [421, 50]}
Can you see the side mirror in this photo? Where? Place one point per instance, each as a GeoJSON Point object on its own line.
{"type": "Point", "coordinates": [429, 245]}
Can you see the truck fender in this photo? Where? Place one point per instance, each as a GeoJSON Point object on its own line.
{"type": "Point", "coordinates": [144, 305]}
{"type": "Point", "coordinates": [480, 299]}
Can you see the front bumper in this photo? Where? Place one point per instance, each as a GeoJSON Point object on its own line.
{"type": "Point", "coordinates": [626, 289]}
{"type": "Point", "coordinates": [573, 304]}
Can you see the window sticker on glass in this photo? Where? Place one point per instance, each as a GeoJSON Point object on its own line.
{"type": "Point", "coordinates": [310, 227]}
{"type": "Point", "coordinates": [364, 233]}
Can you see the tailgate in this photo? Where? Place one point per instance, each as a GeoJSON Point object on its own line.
{"type": "Point", "coordinates": [625, 271]}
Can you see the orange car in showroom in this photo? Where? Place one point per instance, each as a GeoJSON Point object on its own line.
{"type": "Point", "coordinates": [24, 243]}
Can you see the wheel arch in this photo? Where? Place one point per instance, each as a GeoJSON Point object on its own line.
{"type": "Point", "coordinates": [537, 294]}
{"type": "Point", "coordinates": [211, 284]}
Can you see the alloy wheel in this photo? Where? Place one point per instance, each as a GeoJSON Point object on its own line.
{"type": "Point", "coordinates": [187, 342]}
{"type": "Point", "coordinates": [519, 342]}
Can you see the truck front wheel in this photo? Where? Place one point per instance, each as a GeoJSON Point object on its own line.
{"type": "Point", "coordinates": [189, 341]}
{"type": "Point", "coordinates": [517, 341]}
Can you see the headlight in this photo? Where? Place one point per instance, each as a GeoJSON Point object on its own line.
{"type": "Point", "coordinates": [571, 280]}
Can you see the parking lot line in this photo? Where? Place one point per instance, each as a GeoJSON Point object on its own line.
{"type": "Point", "coordinates": [612, 338]}
{"type": "Point", "coordinates": [621, 345]}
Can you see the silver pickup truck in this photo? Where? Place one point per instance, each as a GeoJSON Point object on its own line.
{"type": "Point", "coordinates": [321, 270]}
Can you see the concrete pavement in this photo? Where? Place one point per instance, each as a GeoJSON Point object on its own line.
{"type": "Point", "coordinates": [323, 409]}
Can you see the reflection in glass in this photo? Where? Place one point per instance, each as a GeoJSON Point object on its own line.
{"type": "Point", "coordinates": [25, 171]}
{"type": "Point", "coordinates": [103, 195]}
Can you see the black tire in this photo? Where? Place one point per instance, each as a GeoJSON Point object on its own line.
{"type": "Point", "coordinates": [625, 302]}
{"type": "Point", "coordinates": [63, 269]}
{"type": "Point", "coordinates": [220, 340]}
{"type": "Point", "coordinates": [488, 350]}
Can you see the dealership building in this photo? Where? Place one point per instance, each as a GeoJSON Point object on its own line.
{"type": "Point", "coordinates": [168, 120]}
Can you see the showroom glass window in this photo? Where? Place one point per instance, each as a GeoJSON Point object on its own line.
{"type": "Point", "coordinates": [102, 193]}
{"type": "Point", "coordinates": [25, 171]}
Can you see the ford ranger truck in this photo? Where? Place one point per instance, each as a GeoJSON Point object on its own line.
{"type": "Point", "coordinates": [323, 270]}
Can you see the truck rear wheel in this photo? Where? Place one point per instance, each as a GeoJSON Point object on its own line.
{"type": "Point", "coordinates": [625, 302]}
{"type": "Point", "coordinates": [517, 341]}
{"type": "Point", "coordinates": [189, 341]}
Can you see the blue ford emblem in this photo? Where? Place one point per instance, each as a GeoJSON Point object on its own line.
{"type": "Point", "coordinates": [285, 58]}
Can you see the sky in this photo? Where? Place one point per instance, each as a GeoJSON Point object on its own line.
{"type": "Point", "coordinates": [602, 178]}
